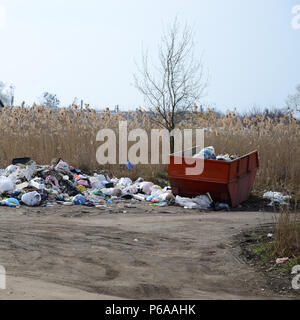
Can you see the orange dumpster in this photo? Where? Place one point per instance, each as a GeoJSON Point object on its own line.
{"type": "Point", "coordinates": [230, 181]}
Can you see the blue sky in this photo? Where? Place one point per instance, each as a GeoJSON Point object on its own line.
{"type": "Point", "coordinates": [87, 49]}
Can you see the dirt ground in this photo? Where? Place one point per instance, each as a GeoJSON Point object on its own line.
{"type": "Point", "coordinates": [141, 252]}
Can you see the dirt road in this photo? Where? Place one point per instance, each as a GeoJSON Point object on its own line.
{"type": "Point", "coordinates": [149, 253]}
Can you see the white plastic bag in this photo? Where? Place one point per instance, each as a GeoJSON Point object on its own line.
{"type": "Point", "coordinates": [146, 187]}
{"type": "Point", "coordinates": [100, 177]}
{"type": "Point", "coordinates": [10, 169]}
{"type": "Point", "coordinates": [155, 189]}
{"type": "Point", "coordinates": [112, 192]}
{"type": "Point", "coordinates": [97, 182]}
{"type": "Point", "coordinates": [203, 202]}
{"type": "Point", "coordinates": [133, 189]}
{"type": "Point", "coordinates": [31, 199]}
{"type": "Point", "coordinates": [29, 170]}
{"type": "Point", "coordinates": [186, 203]}
{"type": "Point", "coordinates": [6, 185]}
{"type": "Point", "coordinates": [167, 196]}
{"type": "Point", "coordinates": [21, 173]}
{"type": "Point", "coordinates": [276, 197]}
{"type": "Point", "coordinates": [139, 196]}
{"type": "Point", "coordinates": [37, 183]}
{"type": "Point", "coordinates": [124, 182]}
{"type": "Point", "coordinates": [200, 202]}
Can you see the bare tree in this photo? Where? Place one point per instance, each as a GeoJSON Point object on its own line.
{"type": "Point", "coordinates": [293, 101]}
{"type": "Point", "coordinates": [177, 82]}
{"type": "Point", "coordinates": [50, 100]}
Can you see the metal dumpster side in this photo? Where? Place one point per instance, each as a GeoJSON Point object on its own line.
{"type": "Point", "coordinates": [225, 180]}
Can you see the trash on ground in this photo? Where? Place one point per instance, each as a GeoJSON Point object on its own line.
{"type": "Point", "coordinates": [219, 206]}
{"type": "Point", "coordinates": [200, 202]}
{"type": "Point", "coordinates": [31, 199]}
{"type": "Point", "coordinates": [276, 197]}
{"type": "Point", "coordinates": [281, 260]}
{"type": "Point", "coordinates": [26, 183]}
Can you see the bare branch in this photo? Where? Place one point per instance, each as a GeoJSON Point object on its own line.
{"type": "Point", "coordinates": [172, 87]}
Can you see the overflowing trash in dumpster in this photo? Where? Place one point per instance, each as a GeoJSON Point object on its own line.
{"type": "Point", "coordinates": [227, 178]}
{"type": "Point", "coordinates": [208, 153]}
{"type": "Point", "coordinates": [26, 183]}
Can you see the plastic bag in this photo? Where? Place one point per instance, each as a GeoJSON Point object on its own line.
{"type": "Point", "coordinates": [112, 192]}
{"type": "Point", "coordinates": [133, 189]}
{"type": "Point", "coordinates": [186, 203]}
{"type": "Point", "coordinates": [6, 185]}
{"type": "Point", "coordinates": [37, 183]}
{"type": "Point", "coordinates": [79, 200]}
{"type": "Point", "coordinates": [167, 196]}
{"type": "Point", "coordinates": [53, 181]}
{"type": "Point", "coordinates": [63, 166]}
{"type": "Point", "coordinates": [100, 177]}
{"type": "Point", "coordinates": [146, 187]}
{"type": "Point", "coordinates": [156, 190]}
{"type": "Point", "coordinates": [10, 169]}
{"type": "Point", "coordinates": [31, 199]}
{"type": "Point", "coordinates": [276, 197]}
{"type": "Point", "coordinates": [140, 197]}
{"type": "Point", "coordinates": [200, 202]}
{"type": "Point", "coordinates": [124, 182]}
{"type": "Point", "coordinates": [203, 202]}
{"type": "Point", "coordinates": [82, 182]}
{"type": "Point", "coordinates": [29, 170]}
{"type": "Point", "coordinates": [206, 153]}
{"type": "Point", "coordinates": [12, 202]}
{"type": "Point", "coordinates": [129, 166]}
{"type": "Point", "coordinates": [98, 182]}
{"type": "Point", "coordinates": [21, 173]}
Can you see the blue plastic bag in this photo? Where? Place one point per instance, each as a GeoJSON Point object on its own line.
{"type": "Point", "coordinates": [129, 166]}
{"type": "Point", "coordinates": [79, 200]}
{"type": "Point", "coordinates": [12, 202]}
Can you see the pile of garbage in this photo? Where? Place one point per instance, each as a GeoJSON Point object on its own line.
{"type": "Point", "coordinates": [26, 183]}
{"type": "Point", "coordinates": [208, 153]}
{"type": "Point", "coordinates": [276, 198]}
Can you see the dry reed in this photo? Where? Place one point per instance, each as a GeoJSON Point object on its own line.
{"type": "Point", "coordinates": [42, 134]}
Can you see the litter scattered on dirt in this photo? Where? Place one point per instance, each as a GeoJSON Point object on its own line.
{"type": "Point", "coordinates": [256, 247]}
{"type": "Point", "coordinates": [26, 183]}
{"type": "Point", "coordinates": [276, 197]}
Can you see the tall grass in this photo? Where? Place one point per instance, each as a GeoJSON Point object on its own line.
{"type": "Point", "coordinates": [42, 134]}
{"type": "Point", "coordinates": [277, 141]}
{"type": "Point", "coordinates": [287, 235]}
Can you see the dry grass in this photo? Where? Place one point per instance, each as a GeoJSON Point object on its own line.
{"type": "Point", "coordinates": [42, 134]}
{"type": "Point", "coordinates": [277, 141]}
{"type": "Point", "coordinates": [287, 235]}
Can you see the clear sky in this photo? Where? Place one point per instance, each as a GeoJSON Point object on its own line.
{"type": "Point", "coordinates": [87, 48]}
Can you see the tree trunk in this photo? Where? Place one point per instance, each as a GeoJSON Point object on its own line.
{"type": "Point", "coordinates": [172, 143]}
